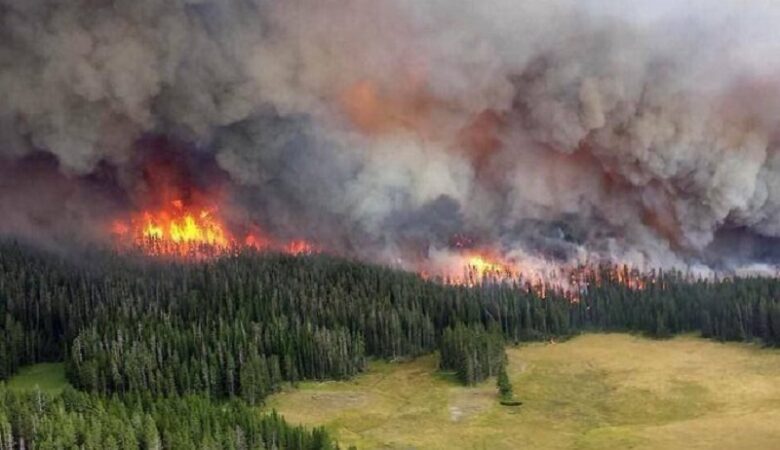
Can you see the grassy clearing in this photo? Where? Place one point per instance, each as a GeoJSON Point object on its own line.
{"type": "Point", "coordinates": [48, 377]}
{"type": "Point", "coordinates": [598, 391]}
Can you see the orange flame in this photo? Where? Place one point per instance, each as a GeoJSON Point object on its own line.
{"type": "Point", "coordinates": [175, 229]}
{"type": "Point", "coordinates": [483, 265]}
{"type": "Point", "coordinates": [185, 231]}
{"type": "Point", "coordinates": [472, 266]}
{"type": "Point", "coordinates": [469, 267]}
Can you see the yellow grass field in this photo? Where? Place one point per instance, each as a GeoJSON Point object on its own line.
{"type": "Point", "coordinates": [596, 391]}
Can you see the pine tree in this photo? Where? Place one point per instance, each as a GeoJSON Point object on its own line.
{"type": "Point", "coordinates": [503, 384]}
{"type": "Point", "coordinates": [151, 437]}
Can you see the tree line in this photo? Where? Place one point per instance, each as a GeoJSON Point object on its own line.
{"type": "Point", "coordinates": [243, 324]}
{"type": "Point", "coordinates": [474, 353]}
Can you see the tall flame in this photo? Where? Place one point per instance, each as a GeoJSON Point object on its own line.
{"type": "Point", "coordinates": [181, 226]}
{"type": "Point", "coordinates": [176, 228]}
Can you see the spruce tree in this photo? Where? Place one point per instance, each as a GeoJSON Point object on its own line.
{"type": "Point", "coordinates": [504, 385]}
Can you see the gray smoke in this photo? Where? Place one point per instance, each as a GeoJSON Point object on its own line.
{"type": "Point", "coordinates": [565, 130]}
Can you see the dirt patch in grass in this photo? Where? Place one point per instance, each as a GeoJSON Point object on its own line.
{"type": "Point", "coordinates": [467, 403]}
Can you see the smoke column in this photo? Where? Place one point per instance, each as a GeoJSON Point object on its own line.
{"type": "Point", "coordinates": [551, 132]}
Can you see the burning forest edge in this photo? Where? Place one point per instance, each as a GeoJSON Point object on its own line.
{"type": "Point", "coordinates": [181, 220]}
{"type": "Point", "coordinates": [185, 208]}
{"type": "Point", "coordinates": [181, 235]}
{"type": "Point", "coordinates": [184, 223]}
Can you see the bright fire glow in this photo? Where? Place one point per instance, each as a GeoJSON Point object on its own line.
{"type": "Point", "coordinates": [193, 232]}
{"type": "Point", "coordinates": [181, 230]}
{"type": "Point", "coordinates": [483, 266]}
{"type": "Point", "coordinates": [469, 266]}
{"type": "Point", "coordinates": [180, 226]}
{"type": "Point", "coordinates": [465, 264]}
{"type": "Point", "coordinates": [175, 229]}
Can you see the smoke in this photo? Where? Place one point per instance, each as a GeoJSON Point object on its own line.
{"type": "Point", "coordinates": [566, 131]}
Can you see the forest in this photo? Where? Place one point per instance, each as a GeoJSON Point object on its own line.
{"type": "Point", "coordinates": [139, 336]}
{"type": "Point", "coordinates": [79, 420]}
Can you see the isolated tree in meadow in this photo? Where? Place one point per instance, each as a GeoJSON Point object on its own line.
{"type": "Point", "coordinates": [505, 390]}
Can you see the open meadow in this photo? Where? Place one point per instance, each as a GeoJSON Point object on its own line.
{"type": "Point", "coordinates": [596, 391]}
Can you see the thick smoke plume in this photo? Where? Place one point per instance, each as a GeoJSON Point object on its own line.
{"type": "Point", "coordinates": [405, 130]}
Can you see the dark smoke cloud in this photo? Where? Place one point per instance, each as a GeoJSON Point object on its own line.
{"type": "Point", "coordinates": [39, 204]}
{"type": "Point", "coordinates": [566, 130]}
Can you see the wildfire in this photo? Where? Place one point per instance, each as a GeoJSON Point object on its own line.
{"type": "Point", "coordinates": [191, 227]}
{"type": "Point", "coordinates": [183, 227]}
{"type": "Point", "coordinates": [482, 265]}
{"type": "Point", "coordinates": [466, 263]}
{"type": "Point", "coordinates": [183, 230]}
{"type": "Point", "coordinates": [176, 228]}
{"type": "Point", "coordinates": [181, 215]}
{"type": "Point", "coordinates": [468, 266]}
{"type": "Point", "coordinates": [492, 267]}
